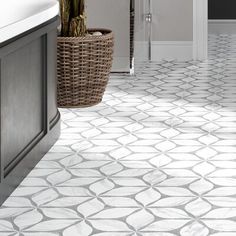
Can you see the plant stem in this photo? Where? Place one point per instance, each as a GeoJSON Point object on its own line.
{"type": "Point", "coordinates": [73, 18]}
{"type": "Point", "coordinates": [65, 16]}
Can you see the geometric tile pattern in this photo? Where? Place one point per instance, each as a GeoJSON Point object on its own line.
{"type": "Point", "coordinates": [156, 158]}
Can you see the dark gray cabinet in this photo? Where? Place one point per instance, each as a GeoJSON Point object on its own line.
{"type": "Point", "coordinates": [30, 121]}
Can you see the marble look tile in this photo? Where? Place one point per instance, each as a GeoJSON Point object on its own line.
{"type": "Point", "coordinates": [156, 158]}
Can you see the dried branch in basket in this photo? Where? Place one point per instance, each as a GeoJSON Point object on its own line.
{"type": "Point", "coordinates": [73, 19]}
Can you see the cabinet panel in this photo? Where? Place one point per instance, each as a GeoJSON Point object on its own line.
{"type": "Point", "coordinates": [30, 120]}
{"type": "Point", "coordinates": [21, 99]}
{"type": "Point", "coordinates": [52, 77]}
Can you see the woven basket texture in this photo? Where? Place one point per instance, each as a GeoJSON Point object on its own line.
{"type": "Point", "coordinates": [83, 68]}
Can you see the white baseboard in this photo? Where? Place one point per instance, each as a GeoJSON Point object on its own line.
{"type": "Point", "coordinates": [161, 50]}
{"type": "Point", "coordinates": [166, 50]}
{"type": "Point", "coordinates": [222, 26]}
{"type": "Point", "coordinates": [172, 50]}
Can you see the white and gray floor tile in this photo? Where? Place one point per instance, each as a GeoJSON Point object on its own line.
{"type": "Point", "coordinates": [156, 158]}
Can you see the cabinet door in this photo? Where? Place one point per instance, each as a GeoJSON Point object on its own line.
{"type": "Point", "coordinates": [22, 107]}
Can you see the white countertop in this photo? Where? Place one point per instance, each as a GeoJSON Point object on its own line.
{"type": "Point", "coordinates": [18, 16]}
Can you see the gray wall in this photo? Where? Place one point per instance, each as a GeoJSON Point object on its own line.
{"type": "Point", "coordinates": [112, 14]}
{"type": "Point", "coordinates": [172, 20]}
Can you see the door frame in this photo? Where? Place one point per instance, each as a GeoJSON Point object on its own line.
{"type": "Point", "coordinates": [200, 29]}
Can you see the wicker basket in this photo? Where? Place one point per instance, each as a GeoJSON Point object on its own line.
{"type": "Point", "coordinates": [83, 68]}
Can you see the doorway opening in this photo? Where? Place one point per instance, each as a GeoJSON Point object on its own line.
{"type": "Point", "coordinates": [222, 19]}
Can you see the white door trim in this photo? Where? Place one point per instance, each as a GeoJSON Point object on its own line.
{"type": "Point", "coordinates": [200, 29]}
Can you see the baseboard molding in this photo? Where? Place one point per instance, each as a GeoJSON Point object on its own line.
{"type": "Point", "coordinates": [172, 50]}
{"type": "Point", "coordinates": [222, 26]}
{"type": "Point", "coordinates": [165, 50]}
{"type": "Point", "coordinates": [161, 50]}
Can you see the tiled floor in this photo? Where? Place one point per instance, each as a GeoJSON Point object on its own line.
{"type": "Point", "coordinates": [156, 158]}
